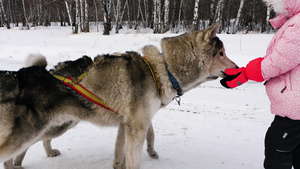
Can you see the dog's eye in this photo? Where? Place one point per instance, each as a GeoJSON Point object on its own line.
{"type": "Point", "coordinates": [221, 54]}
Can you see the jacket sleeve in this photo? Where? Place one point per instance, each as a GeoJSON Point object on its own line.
{"type": "Point", "coordinates": [285, 55]}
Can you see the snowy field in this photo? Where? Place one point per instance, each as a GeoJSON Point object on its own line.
{"type": "Point", "coordinates": [214, 128]}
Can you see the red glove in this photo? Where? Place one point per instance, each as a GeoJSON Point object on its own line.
{"type": "Point", "coordinates": [239, 76]}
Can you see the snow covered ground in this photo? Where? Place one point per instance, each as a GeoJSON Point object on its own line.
{"type": "Point", "coordinates": [214, 128]}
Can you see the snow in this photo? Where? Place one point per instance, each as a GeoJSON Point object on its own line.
{"type": "Point", "coordinates": [213, 128]}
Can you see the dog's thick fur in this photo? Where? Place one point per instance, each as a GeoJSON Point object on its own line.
{"type": "Point", "coordinates": [71, 69]}
{"type": "Point", "coordinates": [123, 82]}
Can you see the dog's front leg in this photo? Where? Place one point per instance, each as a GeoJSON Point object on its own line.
{"type": "Point", "coordinates": [48, 149]}
{"type": "Point", "coordinates": [119, 161]}
{"type": "Point", "coordinates": [19, 159]}
{"type": "Point", "coordinates": [135, 135]}
{"type": "Point", "coordinates": [9, 165]}
{"type": "Point", "coordinates": [150, 143]}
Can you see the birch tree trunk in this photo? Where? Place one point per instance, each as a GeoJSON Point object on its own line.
{"type": "Point", "coordinates": [77, 22]}
{"type": "Point", "coordinates": [118, 15]}
{"type": "Point", "coordinates": [212, 11]}
{"type": "Point", "coordinates": [25, 16]}
{"type": "Point", "coordinates": [96, 17]}
{"type": "Point", "coordinates": [146, 13]}
{"type": "Point", "coordinates": [180, 10]}
{"type": "Point", "coordinates": [155, 20]}
{"type": "Point", "coordinates": [40, 13]}
{"type": "Point", "coordinates": [137, 21]}
{"type": "Point", "coordinates": [81, 7]}
{"type": "Point", "coordinates": [69, 16]}
{"type": "Point", "coordinates": [237, 21]}
{"type": "Point", "coordinates": [15, 6]}
{"type": "Point", "coordinates": [6, 21]}
{"type": "Point", "coordinates": [107, 22]}
{"type": "Point", "coordinates": [268, 18]}
{"type": "Point", "coordinates": [195, 18]}
{"type": "Point", "coordinates": [126, 3]}
{"type": "Point", "coordinates": [166, 15]}
{"type": "Point", "coordinates": [218, 16]}
{"type": "Point", "coordinates": [128, 15]}
{"type": "Point", "coordinates": [86, 27]}
{"type": "Point", "coordinates": [1, 18]}
{"type": "Point", "coordinates": [157, 16]}
{"type": "Point", "coordinates": [12, 15]}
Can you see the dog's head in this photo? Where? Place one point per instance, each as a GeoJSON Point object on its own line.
{"type": "Point", "coordinates": [220, 61]}
{"type": "Point", "coordinates": [214, 48]}
{"type": "Point", "coordinates": [198, 55]}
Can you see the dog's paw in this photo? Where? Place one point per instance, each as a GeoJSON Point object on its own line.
{"type": "Point", "coordinates": [18, 167]}
{"type": "Point", "coordinates": [53, 153]}
{"type": "Point", "coordinates": [153, 154]}
{"type": "Point", "coordinates": [119, 165]}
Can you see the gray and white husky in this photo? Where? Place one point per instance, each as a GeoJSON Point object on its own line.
{"type": "Point", "coordinates": [71, 69]}
{"type": "Point", "coordinates": [124, 82]}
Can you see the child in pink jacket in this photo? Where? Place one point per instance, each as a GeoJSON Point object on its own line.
{"type": "Point", "coordinates": [280, 68]}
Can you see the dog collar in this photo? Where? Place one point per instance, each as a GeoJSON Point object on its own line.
{"type": "Point", "coordinates": [174, 82]}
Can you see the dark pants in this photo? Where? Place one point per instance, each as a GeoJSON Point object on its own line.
{"type": "Point", "coordinates": [282, 144]}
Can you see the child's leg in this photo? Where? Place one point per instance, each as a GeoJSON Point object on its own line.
{"type": "Point", "coordinates": [273, 158]}
{"type": "Point", "coordinates": [296, 158]}
{"type": "Point", "coordinates": [281, 141]}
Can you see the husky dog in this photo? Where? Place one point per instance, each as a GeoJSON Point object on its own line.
{"type": "Point", "coordinates": [71, 69]}
{"type": "Point", "coordinates": [125, 83]}
{"type": "Point", "coordinates": [81, 66]}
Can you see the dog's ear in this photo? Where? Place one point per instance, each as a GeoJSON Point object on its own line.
{"type": "Point", "coordinates": [211, 32]}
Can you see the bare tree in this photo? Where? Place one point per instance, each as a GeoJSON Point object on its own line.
{"type": "Point", "coordinates": [219, 11]}
{"type": "Point", "coordinates": [107, 21]}
{"type": "Point", "coordinates": [166, 15]}
{"type": "Point", "coordinates": [25, 16]}
{"type": "Point", "coordinates": [81, 7]}
{"type": "Point", "coordinates": [180, 11]}
{"type": "Point", "coordinates": [6, 21]}
{"type": "Point", "coordinates": [147, 15]}
{"type": "Point", "coordinates": [96, 17]}
{"type": "Point", "coordinates": [86, 27]}
{"type": "Point", "coordinates": [237, 21]}
{"type": "Point", "coordinates": [118, 15]}
{"type": "Point", "coordinates": [196, 14]}
{"type": "Point", "coordinates": [69, 16]}
{"type": "Point", "coordinates": [77, 19]}
{"type": "Point", "coordinates": [212, 11]}
{"type": "Point", "coordinates": [128, 16]}
{"type": "Point", "coordinates": [157, 16]}
{"type": "Point", "coordinates": [268, 17]}
{"type": "Point", "coordinates": [137, 22]}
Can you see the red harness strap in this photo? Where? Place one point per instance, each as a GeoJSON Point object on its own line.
{"type": "Point", "coordinates": [84, 92]}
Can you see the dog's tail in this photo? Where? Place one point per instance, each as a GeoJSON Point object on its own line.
{"type": "Point", "coordinates": [36, 60]}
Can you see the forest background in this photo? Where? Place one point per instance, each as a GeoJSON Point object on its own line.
{"type": "Point", "coordinates": [159, 15]}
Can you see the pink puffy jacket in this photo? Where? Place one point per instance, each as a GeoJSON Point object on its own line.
{"type": "Point", "coordinates": [281, 65]}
